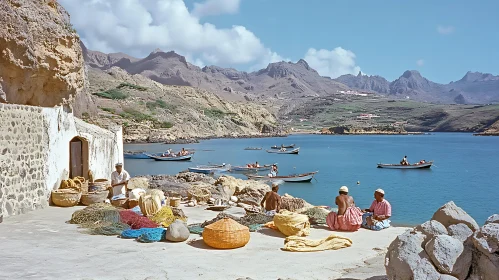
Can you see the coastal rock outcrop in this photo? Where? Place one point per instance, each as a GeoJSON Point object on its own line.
{"type": "Point", "coordinates": [40, 55]}
{"type": "Point", "coordinates": [450, 246]}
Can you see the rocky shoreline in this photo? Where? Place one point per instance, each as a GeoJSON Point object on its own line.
{"type": "Point", "coordinates": [194, 140]}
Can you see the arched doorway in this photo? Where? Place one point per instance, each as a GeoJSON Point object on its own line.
{"type": "Point", "coordinates": [78, 157]}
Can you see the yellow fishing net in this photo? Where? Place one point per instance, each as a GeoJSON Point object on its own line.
{"type": "Point", "coordinates": [164, 217]}
{"type": "Point", "coordinates": [302, 244]}
{"type": "Point", "coordinates": [290, 223]}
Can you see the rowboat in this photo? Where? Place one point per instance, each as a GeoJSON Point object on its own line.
{"type": "Point", "coordinates": [300, 178]}
{"type": "Point", "coordinates": [286, 147]}
{"type": "Point", "coordinates": [171, 158]}
{"type": "Point", "coordinates": [265, 167]}
{"type": "Point", "coordinates": [412, 166]}
{"type": "Point", "coordinates": [208, 169]}
{"type": "Point", "coordinates": [135, 155]}
{"type": "Point", "coordinates": [293, 151]}
{"type": "Point", "coordinates": [252, 149]}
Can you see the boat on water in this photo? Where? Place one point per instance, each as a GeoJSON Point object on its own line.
{"type": "Point", "coordinates": [135, 155]}
{"type": "Point", "coordinates": [171, 158]}
{"type": "Point", "coordinates": [252, 149]}
{"type": "Point", "coordinates": [265, 167]}
{"type": "Point", "coordinates": [208, 169]}
{"type": "Point", "coordinates": [418, 165]}
{"type": "Point", "coordinates": [282, 146]}
{"type": "Point", "coordinates": [293, 151]}
{"type": "Point", "coordinates": [293, 178]}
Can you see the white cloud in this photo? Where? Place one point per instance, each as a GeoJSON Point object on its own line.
{"type": "Point", "coordinates": [215, 7]}
{"type": "Point", "coordinates": [445, 30]}
{"type": "Point", "coordinates": [137, 27]}
{"type": "Point", "coordinates": [333, 63]}
{"type": "Point", "coordinates": [420, 62]}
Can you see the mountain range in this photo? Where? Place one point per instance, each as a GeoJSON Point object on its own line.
{"type": "Point", "coordinates": [291, 81]}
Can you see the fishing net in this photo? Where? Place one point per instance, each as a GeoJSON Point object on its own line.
{"type": "Point", "coordinates": [150, 235]}
{"type": "Point", "coordinates": [201, 195]}
{"type": "Point", "coordinates": [108, 229]}
{"type": "Point", "coordinates": [96, 213]}
{"type": "Point", "coordinates": [255, 218]}
{"type": "Point", "coordinates": [253, 221]}
{"type": "Point", "coordinates": [131, 233]}
{"type": "Point", "coordinates": [164, 217]}
{"type": "Point", "coordinates": [195, 229]}
{"type": "Point", "coordinates": [292, 204]}
{"type": "Point", "coordinates": [255, 227]}
{"type": "Point", "coordinates": [317, 216]}
{"type": "Point", "coordinates": [219, 217]}
{"type": "Point", "coordinates": [135, 221]}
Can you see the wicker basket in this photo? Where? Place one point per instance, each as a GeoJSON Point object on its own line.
{"type": "Point", "coordinates": [120, 202]}
{"type": "Point", "coordinates": [94, 197]}
{"type": "Point", "coordinates": [226, 234]}
{"type": "Point", "coordinates": [151, 202]}
{"type": "Point", "coordinates": [133, 203]}
{"type": "Point", "coordinates": [201, 195]}
{"type": "Point", "coordinates": [174, 201]}
{"type": "Point", "coordinates": [65, 198]}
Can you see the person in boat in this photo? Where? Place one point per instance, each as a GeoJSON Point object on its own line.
{"type": "Point", "coordinates": [119, 180]}
{"type": "Point", "coordinates": [404, 161]}
{"type": "Point", "coordinates": [273, 171]}
{"type": "Point", "coordinates": [282, 149]}
{"type": "Point", "coordinates": [349, 217]}
{"type": "Point", "coordinates": [256, 165]}
{"type": "Point", "coordinates": [378, 215]}
{"type": "Point", "coordinates": [271, 202]}
{"type": "Point", "coordinates": [183, 152]}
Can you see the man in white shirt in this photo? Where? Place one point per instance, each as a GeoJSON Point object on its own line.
{"type": "Point", "coordinates": [119, 180]}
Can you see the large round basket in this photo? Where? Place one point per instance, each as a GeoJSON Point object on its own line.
{"type": "Point", "coordinates": [94, 197]}
{"type": "Point", "coordinates": [199, 194]}
{"type": "Point", "coordinates": [119, 202]}
{"type": "Point", "coordinates": [65, 197]}
{"type": "Point", "coordinates": [226, 234]}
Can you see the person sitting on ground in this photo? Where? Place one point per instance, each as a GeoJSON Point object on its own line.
{"type": "Point", "coordinates": [272, 201]}
{"type": "Point", "coordinates": [404, 161]}
{"type": "Point", "coordinates": [377, 216]}
{"type": "Point", "coordinates": [119, 180]}
{"type": "Point", "coordinates": [349, 217]}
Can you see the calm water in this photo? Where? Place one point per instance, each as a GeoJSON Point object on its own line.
{"type": "Point", "coordinates": [465, 171]}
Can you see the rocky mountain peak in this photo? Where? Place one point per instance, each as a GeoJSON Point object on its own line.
{"type": "Point", "coordinates": [412, 74]}
{"type": "Point", "coordinates": [360, 74]}
{"type": "Point", "coordinates": [167, 55]}
{"type": "Point", "coordinates": [303, 63]}
{"type": "Point", "coordinates": [478, 76]}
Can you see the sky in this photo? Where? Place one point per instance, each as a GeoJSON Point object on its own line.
{"type": "Point", "coordinates": [443, 39]}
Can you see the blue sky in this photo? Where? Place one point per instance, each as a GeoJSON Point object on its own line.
{"type": "Point", "coordinates": [443, 39]}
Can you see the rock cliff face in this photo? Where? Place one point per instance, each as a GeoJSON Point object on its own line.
{"type": "Point", "coordinates": [40, 54]}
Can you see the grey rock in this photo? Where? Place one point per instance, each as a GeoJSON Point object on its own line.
{"type": "Point", "coordinates": [447, 277]}
{"type": "Point", "coordinates": [406, 259]}
{"type": "Point", "coordinates": [177, 232]}
{"type": "Point", "coordinates": [461, 232]}
{"type": "Point", "coordinates": [487, 239]}
{"type": "Point", "coordinates": [449, 255]}
{"type": "Point", "coordinates": [494, 219]}
{"type": "Point", "coordinates": [485, 266]}
{"type": "Point", "coordinates": [451, 214]}
{"type": "Point", "coordinates": [430, 229]}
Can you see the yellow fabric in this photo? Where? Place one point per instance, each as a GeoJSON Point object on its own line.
{"type": "Point", "coordinates": [290, 223]}
{"type": "Point", "coordinates": [302, 244]}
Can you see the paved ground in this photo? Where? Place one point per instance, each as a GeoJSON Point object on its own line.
{"type": "Point", "coordinates": [40, 245]}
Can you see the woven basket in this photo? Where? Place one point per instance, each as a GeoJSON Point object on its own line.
{"type": "Point", "coordinates": [133, 203]}
{"type": "Point", "coordinates": [65, 198]}
{"type": "Point", "coordinates": [226, 234]}
{"type": "Point", "coordinates": [174, 201]}
{"type": "Point", "coordinates": [151, 202]}
{"type": "Point", "coordinates": [94, 197]}
{"type": "Point", "coordinates": [119, 202]}
{"type": "Point", "coordinates": [199, 194]}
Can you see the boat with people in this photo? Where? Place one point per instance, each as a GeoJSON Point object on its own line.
{"type": "Point", "coordinates": [293, 178]}
{"type": "Point", "coordinates": [135, 155]}
{"type": "Point", "coordinates": [265, 167]}
{"type": "Point", "coordinates": [208, 169]}
{"type": "Point", "coordinates": [171, 157]}
{"type": "Point", "coordinates": [275, 147]}
{"type": "Point", "coordinates": [420, 165]}
{"type": "Point", "coordinates": [252, 149]}
{"type": "Point", "coordinates": [294, 151]}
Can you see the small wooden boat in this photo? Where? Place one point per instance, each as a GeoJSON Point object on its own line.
{"type": "Point", "coordinates": [293, 151]}
{"type": "Point", "coordinates": [208, 169]}
{"type": "Point", "coordinates": [300, 178]}
{"type": "Point", "coordinates": [286, 147]}
{"type": "Point", "coordinates": [135, 155]}
{"type": "Point", "coordinates": [427, 164]}
{"type": "Point", "coordinates": [171, 158]}
{"type": "Point", "coordinates": [252, 149]}
{"type": "Point", "coordinates": [265, 167]}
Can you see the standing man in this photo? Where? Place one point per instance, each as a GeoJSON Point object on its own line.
{"type": "Point", "coordinates": [377, 216]}
{"type": "Point", "coordinates": [349, 217]}
{"type": "Point", "coordinates": [119, 180]}
{"type": "Point", "coordinates": [272, 201]}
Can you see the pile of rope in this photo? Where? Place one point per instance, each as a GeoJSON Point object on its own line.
{"type": "Point", "coordinates": [136, 221]}
{"type": "Point", "coordinates": [99, 213]}
{"type": "Point", "coordinates": [292, 204]}
{"type": "Point", "coordinates": [316, 216]}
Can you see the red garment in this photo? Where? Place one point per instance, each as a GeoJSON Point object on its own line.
{"type": "Point", "coordinates": [350, 221]}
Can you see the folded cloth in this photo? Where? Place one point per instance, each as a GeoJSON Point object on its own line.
{"type": "Point", "coordinates": [378, 225]}
{"type": "Point", "coordinates": [350, 221]}
{"type": "Point", "coordinates": [302, 244]}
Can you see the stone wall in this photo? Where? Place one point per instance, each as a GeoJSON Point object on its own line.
{"type": "Point", "coordinates": [35, 153]}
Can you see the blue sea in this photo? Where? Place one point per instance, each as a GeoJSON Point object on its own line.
{"type": "Point", "coordinates": [466, 169]}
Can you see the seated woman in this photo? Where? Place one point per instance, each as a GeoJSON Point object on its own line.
{"type": "Point", "coordinates": [377, 216]}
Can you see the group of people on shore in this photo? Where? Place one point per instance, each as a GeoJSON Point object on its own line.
{"type": "Point", "coordinates": [349, 217]}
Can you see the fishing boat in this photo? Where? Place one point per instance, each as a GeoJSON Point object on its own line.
{"type": "Point", "coordinates": [252, 149]}
{"type": "Point", "coordinates": [171, 158]}
{"type": "Point", "coordinates": [286, 147]}
{"type": "Point", "coordinates": [294, 178]}
{"type": "Point", "coordinates": [265, 167]}
{"type": "Point", "coordinates": [135, 155]}
{"type": "Point", "coordinates": [427, 164]}
{"type": "Point", "coordinates": [293, 151]}
{"type": "Point", "coordinates": [208, 169]}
